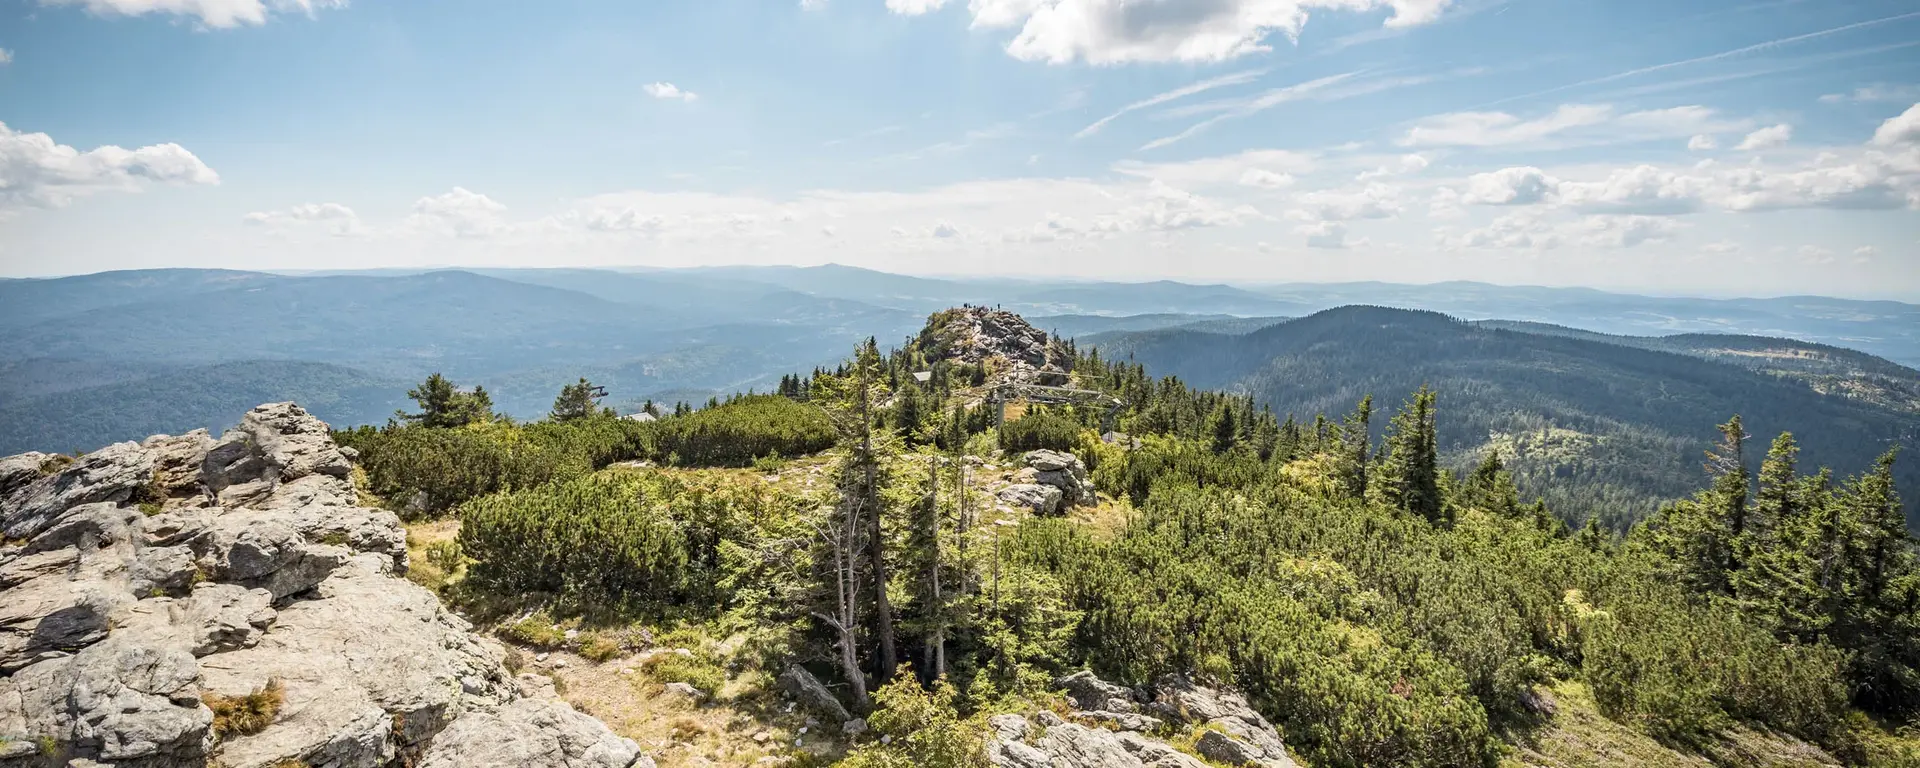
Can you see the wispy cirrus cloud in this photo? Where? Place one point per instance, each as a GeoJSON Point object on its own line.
{"type": "Point", "coordinates": [1236, 78]}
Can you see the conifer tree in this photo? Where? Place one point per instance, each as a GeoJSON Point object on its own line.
{"type": "Point", "coordinates": [1409, 476]}
{"type": "Point", "coordinates": [576, 401]}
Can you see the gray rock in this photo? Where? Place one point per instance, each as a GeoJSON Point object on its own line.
{"type": "Point", "coordinates": [112, 474]}
{"type": "Point", "coordinates": [1121, 721]}
{"type": "Point", "coordinates": [1155, 754]}
{"type": "Point", "coordinates": [293, 443]}
{"type": "Point", "coordinates": [18, 471]}
{"type": "Point", "coordinates": [813, 695]}
{"type": "Point", "coordinates": [854, 727]}
{"type": "Point", "coordinates": [224, 617]}
{"type": "Point", "coordinates": [161, 571]}
{"type": "Point", "coordinates": [128, 699]}
{"type": "Point", "coordinates": [1220, 747]}
{"type": "Point", "coordinates": [113, 622]}
{"type": "Point", "coordinates": [531, 733]}
{"type": "Point", "coordinates": [1089, 692]}
{"type": "Point", "coordinates": [1041, 499]}
{"type": "Point", "coordinates": [1050, 461]}
{"type": "Point", "coordinates": [1071, 744]}
{"type": "Point", "coordinates": [1014, 754]}
{"type": "Point", "coordinates": [1178, 699]}
{"type": "Point", "coordinates": [273, 555]}
{"type": "Point", "coordinates": [178, 462]}
{"type": "Point", "coordinates": [1009, 727]}
{"type": "Point", "coordinates": [683, 689]}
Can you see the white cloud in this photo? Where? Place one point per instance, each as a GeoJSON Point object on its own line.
{"type": "Point", "coordinates": [1814, 254]}
{"type": "Point", "coordinates": [914, 7]}
{"type": "Point", "coordinates": [1865, 253]}
{"type": "Point", "coordinates": [1510, 186]}
{"type": "Point", "coordinates": [664, 90]}
{"type": "Point", "coordinates": [1626, 231]}
{"type": "Point", "coordinates": [1766, 138]}
{"type": "Point", "coordinates": [218, 14]}
{"type": "Point", "coordinates": [1567, 126]}
{"type": "Point", "coordinates": [338, 219]}
{"type": "Point", "coordinates": [1114, 32]}
{"type": "Point", "coordinates": [1243, 108]}
{"type": "Point", "coordinates": [829, 230]}
{"type": "Point", "coordinates": [1878, 92]}
{"type": "Point", "coordinates": [1642, 189]}
{"type": "Point", "coordinates": [1409, 163]}
{"type": "Point", "coordinates": [1702, 142]}
{"type": "Point", "coordinates": [1900, 129]}
{"type": "Point", "coordinates": [1264, 179]}
{"type": "Point", "coordinates": [944, 230]}
{"type": "Point", "coordinates": [812, 5]}
{"type": "Point", "coordinates": [1182, 92]}
{"type": "Point", "coordinates": [1721, 247]}
{"type": "Point", "coordinates": [6, 56]}
{"type": "Point", "coordinates": [35, 171]}
{"type": "Point", "coordinates": [1327, 234]}
{"type": "Point", "coordinates": [459, 213]}
{"type": "Point", "coordinates": [1374, 201]}
{"type": "Point", "coordinates": [1517, 230]}
{"type": "Point", "coordinates": [1258, 165]}
{"type": "Point", "coordinates": [1492, 129]}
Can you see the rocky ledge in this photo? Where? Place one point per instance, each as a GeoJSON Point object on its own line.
{"type": "Point", "coordinates": [1113, 727]}
{"type": "Point", "coordinates": [144, 585]}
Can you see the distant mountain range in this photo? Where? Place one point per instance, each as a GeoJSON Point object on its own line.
{"type": "Point", "coordinates": [97, 358]}
{"type": "Point", "coordinates": [1601, 425]}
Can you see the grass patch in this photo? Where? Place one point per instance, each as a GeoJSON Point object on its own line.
{"type": "Point", "coordinates": [695, 670]}
{"type": "Point", "coordinates": [247, 713]}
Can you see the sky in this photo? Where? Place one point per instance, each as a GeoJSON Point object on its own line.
{"type": "Point", "coordinates": [1706, 147]}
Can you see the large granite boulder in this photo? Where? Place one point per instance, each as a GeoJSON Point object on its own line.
{"type": "Point", "coordinates": [1061, 470]}
{"type": "Point", "coordinates": [145, 579]}
{"type": "Point", "coordinates": [1110, 731]}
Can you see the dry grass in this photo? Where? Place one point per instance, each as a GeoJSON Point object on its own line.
{"type": "Point", "coordinates": [681, 733]}
{"type": "Point", "coordinates": [248, 713]}
{"type": "Point", "coordinates": [421, 536]}
{"type": "Point", "coordinates": [1578, 736]}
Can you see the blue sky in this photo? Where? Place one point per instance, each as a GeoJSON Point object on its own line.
{"type": "Point", "coordinates": [1757, 147]}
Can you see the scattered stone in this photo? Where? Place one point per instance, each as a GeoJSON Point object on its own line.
{"type": "Point", "coordinates": [1040, 499]}
{"type": "Point", "coordinates": [1089, 692]}
{"type": "Point", "coordinates": [854, 727]}
{"type": "Point", "coordinates": [796, 680]}
{"type": "Point", "coordinates": [688, 691]}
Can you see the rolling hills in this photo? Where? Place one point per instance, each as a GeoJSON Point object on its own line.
{"type": "Point", "coordinates": [1599, 427]}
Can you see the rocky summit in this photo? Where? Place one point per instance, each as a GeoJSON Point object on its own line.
{"type": "Point", "coordinates": [190, 601]}
{"type": "Point", "coordinates": [972, 334]}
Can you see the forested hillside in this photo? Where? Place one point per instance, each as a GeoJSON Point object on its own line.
{"type": "Point", "coordinates": [1597, 428]}
{"type": "Point", "coordinates": [1379, 608]}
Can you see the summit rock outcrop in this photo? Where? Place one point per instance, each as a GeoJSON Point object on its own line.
{"type": "Point", "coordinates": [143, 583]}
{"type": "Point", "coordinates": [996, 337]}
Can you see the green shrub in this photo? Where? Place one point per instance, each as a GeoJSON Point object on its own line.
{"type": "Point", "coordinates": [636, 538]}
{"type": "Point", "coordinates": [695, 669]}
{"type": "Point", "coordinates": [427, 470]}
{"type": "Point", "coordinates": [1040, 430]}
{"type": "Point", "coordinates": [739, 432]}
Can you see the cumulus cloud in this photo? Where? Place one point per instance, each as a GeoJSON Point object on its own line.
{"type": "Point", "coordinates": [944, 231]}
{"type": "Point", "coordinates": [669, 91]}
{"type": "Point", "coordinates": [6, 56]}
{"type": "Point", "coordinates": [1626, 231]}
{"type": "Point", "coordinates": [1703, 142]}
{"type": "Point", "coordinates": [460, 213]}
{"type": "Point", "coordinates": [1901, 129]}
{"type": "Point", "coordinates": [217, 14]}
{"type": "Point", "coordinates": [1766, 138]}
{"type": "Point", "coordinates": [1327, 234]}
{"type": "Point", "coordinates": [1265, 179]}
{"type": "Point", "coordinates": [35, 171]}
{"type": "Point", "coordinates": [1510, 231]}
{"type": "Point", "coordinates": [1509, 186]}
{"type": "Point", "coordinates": [338, 219]}
{"type": "Point", "coordinates": [1374, 201]}
{"type": "Point", "coordinates": [1409, 163]}
{"type": "Point", "coordinates": [1246, 168]}
{"type": "Point", "coordinates": [1109, 32]}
